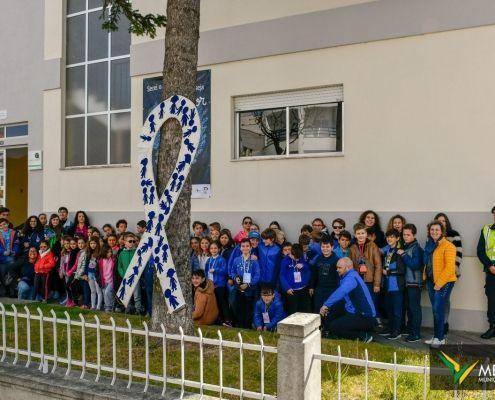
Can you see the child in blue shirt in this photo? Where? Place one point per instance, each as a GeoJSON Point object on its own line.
{"type": "Point", "coordinates": [344, 242]}
{"type": "Point", "coordinates": [295, 275]}
{"type": "Point", "coordinates": [245, 274]}
{"type": "Point", "coordinates": [269, 257]}
{"type": "Point", "coordinates": [393, 272]}
{"type": "Point", "coordinates": [268, 311]}
{"type": "Point", "coordinates": [412, 256]}
{"type": "Point", "coordinates": [216, 271]}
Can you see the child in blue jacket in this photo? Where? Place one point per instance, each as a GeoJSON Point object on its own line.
{"type": "Point", "coordinates": [269, 257]}
{"type": "Point", "coordinates": [216, 271]}
{"type": "Point", "coordinates": [412, 256]}
{"type": "Point", "coordinates": [268, 311]}
{"type": "Point", "coordinates": [295, 275]}
{"type": "Point", "coordinates": [245, 274]}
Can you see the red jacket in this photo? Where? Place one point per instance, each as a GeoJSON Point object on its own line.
{"type": "Point", "coordinates": [45, 263]}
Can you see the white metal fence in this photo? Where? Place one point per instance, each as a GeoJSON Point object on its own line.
{"type": "Point", "coordinates": [54, 359]}
{"type": "Point", "coordinates": [67, 359]}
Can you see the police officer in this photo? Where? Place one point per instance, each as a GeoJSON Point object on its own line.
{"type": "Point", "coordinates": [486, 254]}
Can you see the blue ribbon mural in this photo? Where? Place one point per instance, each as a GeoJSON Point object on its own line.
{"type": "Point", "coordinates": [153, 247]}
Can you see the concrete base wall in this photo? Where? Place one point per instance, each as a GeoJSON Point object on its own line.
{"type": "Point", "coordinates": [19, 383]}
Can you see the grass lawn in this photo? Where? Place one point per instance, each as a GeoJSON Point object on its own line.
{"type": "Point", "coordinates": [410, 386]}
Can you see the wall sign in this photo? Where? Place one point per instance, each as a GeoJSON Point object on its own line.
{"type": "Point", "coordinates": [3, 114]}
{"type": "Point", "coordinates": [35, 160]}
{"type": "Point", "coordinates": [200, 172]}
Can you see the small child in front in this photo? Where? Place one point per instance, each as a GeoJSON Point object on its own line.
{"type": "Point", "coordinates": [268, 311]}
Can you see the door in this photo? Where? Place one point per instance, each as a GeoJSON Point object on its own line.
{"type": "Point", "coordinates": [16, 183]}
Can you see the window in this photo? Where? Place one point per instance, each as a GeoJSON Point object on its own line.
{"type": "Point", "coordinates": [289, 123]}
{"type": "Point", "coordinates": [98, 88]}
{"type": "Point", "coordinates": [11, 131]}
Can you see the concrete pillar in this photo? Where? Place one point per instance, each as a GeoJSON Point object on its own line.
{"type": "Point", "coordinates": [299, 374]}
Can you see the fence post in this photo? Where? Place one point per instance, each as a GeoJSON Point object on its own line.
{"type": "Point", "coordinates": [299, 373]}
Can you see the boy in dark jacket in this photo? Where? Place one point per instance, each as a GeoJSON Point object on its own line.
{"type": "Point", "coordinates": [269, 256]}
{"type": "Point", "coordinates": [412, 256]}
{"type": "Point", "coordinates": [393, 272]}
{"type": "Point", "coordinates": [268, 311]}
{"type": "Point", "coordinates": [324, 276]}
{"type": "Point", "coordinates": [295, 276]}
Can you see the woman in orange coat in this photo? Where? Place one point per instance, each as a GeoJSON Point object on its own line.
{"type": "Point", "coordinates": [205, 304]}
{"type": "Point", "coordinates": [42, 267]}
{"type": "Point", "coordinates": [439, 260]}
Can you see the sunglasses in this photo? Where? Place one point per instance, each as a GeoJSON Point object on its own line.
{"type": "Point", "coordinates": [248, 222]}
{"type": "Point", "coordinates": [131, 241]}
{"type": "Point", "coordinates": [337, 227]}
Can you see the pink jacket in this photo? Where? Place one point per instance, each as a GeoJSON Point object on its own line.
{"type": "Point", "coordinates": [240, 235]}
{"type": "Point", "coordinates": [107, 268]}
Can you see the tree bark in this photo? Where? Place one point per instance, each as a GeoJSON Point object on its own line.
{"type": "Point", "coordinates": [179, 77]}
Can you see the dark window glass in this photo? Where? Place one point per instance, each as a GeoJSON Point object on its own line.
{"type": "Point", "coordinates": [120, 138]}
{"type": "Point", "coordinates": [76, 39]}
{"type": "Point", "coordinates": [74, 142]}
{"type": "Point", "coordinates": [120, 85]}
{"type": "Point", "coordinates": [97, 139]}
{"type": "Point", "coordinates": [97, 87]}
{"type": "Point", "coordinates": [74, 99]}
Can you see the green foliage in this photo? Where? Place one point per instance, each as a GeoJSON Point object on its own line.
{"type": "Point", "coordinates": [139, 24]}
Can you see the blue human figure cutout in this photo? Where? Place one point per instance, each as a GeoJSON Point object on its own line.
{"type": "Point", "coordinates": [151, 120]}
{"type": "Point", "coordinates": [158, 229]}
{"type": "Point", "coordinates": [192, 115]}
{"type": "Point", "coordinates": [146, 182]}
{"type": "Point", "coordinates": [171, 298]}
{"type": "Point", "coordinates": [140, 256]}
{"type": "Point", "coordinates": [179, 109]}
{"type": "Point", "coordinates": [122, 290]}
{"type": "Point", "coordinates": [185, 117]}
{"type": "Point", "coordinates": [162, 106]}
{"type": "Point", "coordinates": [173, 281]}
{"type": "Point", "coordinates": [144, 163]}
{"type": "Point", "coordinates": [188, 133]}
{"type": "Point", "coordinates": [182, 164]}
{"type": "Point", "coordinates": [149, 244]}
{"type": "Point", "coordinates": [189, 145]}
{"type": "Point", "coordinates": [149, 224]}
{"type": "Point", "coordinates": [160, 243]}
{"type": "Point", "coordinates": [174, 181]}
{"type": "Point", "coordinates": [158, 265]}
{"type": "Point", "coordinates": [164, 207]}
{"type": "Point", "coordinates": [152, 195]}
{"type": "Point", "coordinates": [168, 196]}
{"type": "Point", "coordinates": [165, 252]}
{"type": "Point", "coordinates": [145, 195]}
{"type": "Point", "coordinates": [181, 181]}
{"type": "Point", "coordinates": [173, 106]}
{"type": "Point", "coordinates": [145, 138]}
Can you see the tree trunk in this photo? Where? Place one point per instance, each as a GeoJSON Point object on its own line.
{"type": "Point", "coordinates": [179, 77]}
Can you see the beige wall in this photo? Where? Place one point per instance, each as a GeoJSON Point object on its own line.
{"type": "Point", "coordinates": [412, 107]}
{"type": "Point", "coordinates": [217, 14]}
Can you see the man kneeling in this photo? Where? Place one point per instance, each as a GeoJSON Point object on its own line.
{"type": "Point", "coordinates": [357, 319]}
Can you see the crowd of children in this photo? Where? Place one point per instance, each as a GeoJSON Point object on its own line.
{"type": "Point", "coordinates": [252, 279]}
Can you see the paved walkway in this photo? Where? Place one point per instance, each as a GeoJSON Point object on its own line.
{"type": "Point", "coordinates": [454, 337]}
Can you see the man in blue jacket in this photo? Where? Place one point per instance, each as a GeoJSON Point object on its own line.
{"type": "Point", "coordinates": [358, 319]}
{"type": "Point", "coordinates": [268, 311]}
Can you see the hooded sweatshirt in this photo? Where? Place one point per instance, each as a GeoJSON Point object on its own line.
{"type": "Point", "coordinates": [205, 305]}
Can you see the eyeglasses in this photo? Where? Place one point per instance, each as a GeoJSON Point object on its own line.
{"type": "Point", "coordinates": [337, 227]}
{"type": "Point", "coordinates": [248, 222]}
{"type": "Point", "coordinates": [131, 241]}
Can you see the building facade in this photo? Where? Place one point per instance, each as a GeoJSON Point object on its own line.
{"type": "Point", "coordinates": [318, 108]}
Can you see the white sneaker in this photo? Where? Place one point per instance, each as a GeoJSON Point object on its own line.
{"type": "Point", "coordinates": [436, 343]}
{"type": "Point", "coordinates": [430, 341]}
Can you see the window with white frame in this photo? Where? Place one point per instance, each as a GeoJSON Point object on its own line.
{"type": "Point", "coordinates": [14, 130]}
{"type": "Point", "coordinates": [98, 88]}
{"type": "Point", "coordinates": [289, 123]}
